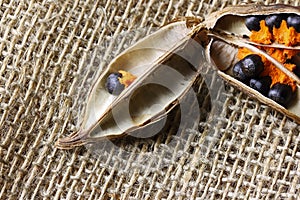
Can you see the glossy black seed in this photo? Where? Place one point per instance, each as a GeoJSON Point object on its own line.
{"type": "Point", "coordinates": [252, 65]}
{"type": "Point", "coordinates": [274, 21]}
{"type": "Point", "coordinates": [238, 72]}
{"type": "Point", "coordinates": [253, 23]}
{"type": "Point", "coordinates": [281, 93]}
{"type": "Point", "coordinates": [113, 84]}
{"type": "Point", "coordinates": [262, 84]}
{"type": "Point", "coordinates": [294, 21]}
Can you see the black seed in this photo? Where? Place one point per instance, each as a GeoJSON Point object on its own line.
{"type": "Point", "coordinates": [252, 65]}
{"type": "Point", "coordinates": [238, 72]}
{"type": "Point", "coordinates": [274, 20]}
{"type": "Point", "coordinates": [262, 84]}
{"type": "Point", "coordinates": [113, 84]}
{"type": "Point", "coordinates": [297, 70]}
{"type": "Point", "coordinates": [294, 21]}
{"type": "Point", "coordinates": [253, 23]}
{"type": "Point", "coordinates": [281, 93]}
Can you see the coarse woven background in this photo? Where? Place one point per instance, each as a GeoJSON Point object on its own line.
{"type": "Point", "coordinates": [45, 72]}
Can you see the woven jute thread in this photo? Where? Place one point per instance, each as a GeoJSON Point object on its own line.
{"type": "Point", "coordinates": [51, 53]}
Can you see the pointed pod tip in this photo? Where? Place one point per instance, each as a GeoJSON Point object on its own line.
{"type": "Point", "coordinates": [70, 142]}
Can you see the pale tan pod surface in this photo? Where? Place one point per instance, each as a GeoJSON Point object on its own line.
{"type": "Point", "coordinates": [136, 59]}
{"type": "Point", "coordinates": [166, 64]}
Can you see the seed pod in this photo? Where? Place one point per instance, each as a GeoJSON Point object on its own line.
{"type": "Point", "coordinates": [230, 39]}
{"type": "Point", "coordinates": [162, 79]}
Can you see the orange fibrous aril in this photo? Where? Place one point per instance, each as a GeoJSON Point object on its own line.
{"type": "Point", "coordinates": [282, 35]}
{"type": "Point", "coordinates": [127, 78]}
{"type": "Point", "coordinates": [285, 35]}
{"type": "Point", "coordinates": [263, 36]}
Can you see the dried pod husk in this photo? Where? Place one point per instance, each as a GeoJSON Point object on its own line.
{"type": "Point", "coordinates": [228, 33]}
{"type": "Point", "coordinates": [165, 64]}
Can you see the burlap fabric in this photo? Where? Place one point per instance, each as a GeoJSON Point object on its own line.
{"type": "Point", "coordinates": [52, 51]}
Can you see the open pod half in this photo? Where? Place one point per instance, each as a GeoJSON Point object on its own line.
{"type": "Point", "coordinates": [164, 66]}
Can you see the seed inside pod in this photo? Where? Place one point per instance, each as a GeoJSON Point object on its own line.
{"type": "Point", "coordinates": [281, 93]}
{"type": "Point", "coordinates": [238, 73]}
{"type": "Point", "coordinates": [116, 82]}
{"type": "Point", "coordinates": [294, 21]}
{"type": "Point", "coordinates": [297, 70]}
{"type": "Point", "coordinates": [249, 67]}
{"type": "Point", "coordinates": [113, 84]}
{"type": "Point", "coordinates": [274, 21]}
{"type": "Point", "coordinates": [253, 23]}
{"type": "Point", "coordinates": [262, 84]}
{"type": "Point", "coordinates": [252, 65]}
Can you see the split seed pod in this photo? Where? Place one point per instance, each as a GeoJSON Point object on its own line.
{"type": "Point", "coordinates": [165, 65]}
{"type": "Point", "coordinates": [229, 37]}
{"type": "Point", "coordinates": [221, 35]}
